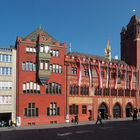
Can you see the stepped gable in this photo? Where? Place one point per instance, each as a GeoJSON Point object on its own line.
{"type": "Point", "coordinates": [39, 32]}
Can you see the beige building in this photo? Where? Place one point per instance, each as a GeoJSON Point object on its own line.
{"type": "Point", "coordinates": [7, 85]}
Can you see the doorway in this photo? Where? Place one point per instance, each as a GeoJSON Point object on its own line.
{"type": "Point", "coordinates": [103, 110]}
{"type": "Point", "coordinates": [128, 110]}
{"type": "Point", "coordinates": [5, 117]}
{"type": "Point", "coordinates": [116, 111]}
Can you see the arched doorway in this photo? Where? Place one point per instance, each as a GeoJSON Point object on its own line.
{"type": "Point", "coordinates": [116, 111]}
{"type": "Point", "coordinates": [128, 110]}
{"type": "Point", "coordinates": [104, 111]}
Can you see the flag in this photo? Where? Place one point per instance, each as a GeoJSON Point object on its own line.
{"type": "Point", "coordinates": [116, 78]}
{"type": "Point", "coordinates": [107, 76]}
{"type": "Point", "coordinates": [99, 75]}
{"type": "Point", "coordinates": [126, 77]}
{"type": "Point", "coordinates": [79, 72]}
{"type": "Point", "coordinates": [90, 75]}
{"type": "Point", "coordinates": [131, 80]}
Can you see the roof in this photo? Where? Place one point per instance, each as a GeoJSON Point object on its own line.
{"type": "Point", "coordinates": [94, 57]}
{"type": "Point", "coordinates": [39, 31]}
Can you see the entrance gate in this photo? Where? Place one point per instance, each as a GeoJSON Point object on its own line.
{"type": "Point", "coordinates": [116, 111]}
{"type": "Point", "coordinates": [128, 110]}
{"type": "Point", "coordinates": [5, 117]}
{"type": "Point", "coordinates": [103, 110]}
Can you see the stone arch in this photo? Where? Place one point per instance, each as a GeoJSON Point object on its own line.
{"type": "Point", "coordinates": [103, 108]}
{"type": "Point", "coordinates": [128, 109]}
{"type": "Point", "coordinates": [117, 110]}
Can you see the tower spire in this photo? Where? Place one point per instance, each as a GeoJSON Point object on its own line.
{"type": "Point", "coordinates": [108, 51]}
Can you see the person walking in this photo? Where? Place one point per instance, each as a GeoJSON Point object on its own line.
{"type": "Point", "coordinates": [99, 118]}
{"type": "Point", "coordinates": [135, 114]}
{"type": "Point", "coordinates": [76, 119]}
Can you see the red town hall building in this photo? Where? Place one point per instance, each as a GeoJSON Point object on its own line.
{"type": "Point", "coordinates": [53, 86]}
{"type": "Point", "coordinates": [41, 86]}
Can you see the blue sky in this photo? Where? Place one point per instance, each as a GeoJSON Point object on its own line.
{"type": "Point", "coordinates": [86, 24]}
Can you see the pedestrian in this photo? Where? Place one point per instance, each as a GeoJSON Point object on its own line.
{"type": "Point", "coordinates": [76, 119]}
{"type": "Point", "coordinates": [106, 116]}
{"type": "Point", "coordinates": [135, 114]}
{"type": "Point", "coordinates": [99, 118]}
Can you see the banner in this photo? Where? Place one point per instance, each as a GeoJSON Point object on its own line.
{"type": "Point", "coordinates": [107, 76]}
{"type": "Point", "coordinates": [116, 78]}
{"type": "Point", "coordinates": [99, 75]}
{"type": "Point", "coordinates": [90, 75]}
{"type": "Point", "coordinates": [79, 72]}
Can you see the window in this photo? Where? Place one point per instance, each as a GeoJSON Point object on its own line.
{"type": "Point", "coordinates": [41, 49]}
{"type": "Point", "coordinates": [31, 110]}
{"type": "Point", "coordinates": [98, 91]}
{"type": "Point", "coordinates": [31, 87]}
{"type": "Point", "coordinates": [5, 71]}
{"type": "Point", "coordinates": [84, 90]}
{"type": "Point", "coordinates": [60, 69]}
{"type": "Point", "coordinates": [106, 91]}
{"type": "Point", "coordinates": [5, 99]}
{"type": "Point", "coordinates": [46, 48]}
{"type": "Point", "coordinates": [55, 53]}
{"type": "Point", "coordinates": [120, 92]}
{"type": "Point", "coordinates": [53, 110]}
{"type": "Point", "coordinates": [41, 65]}
{"type": "Point", "coordinates": [5, 85]}
{"type": "Point", "coordinates": [30, 49]}
{"type": "Point", "coordinates": [113, 92]}
{"type": "Point", "coordinates": [86, 72]}
{"type": "Point", "coordinates": [53, 88]}
{"type": "Point", "coordinates": [23, 66]}
{"type": "Point", "coordinates": [102, 74]}
{"type": "Point", "coordinates": [28, 66]}
{"type": "Point", "coordinates": [127, 92]}
{"type": "Point", "coordinates": [73, 109]}
{"type": "Point", "coordinates": [34, 67]}
{"type": "Point", "coordinates": [46, 65]}
{"type": "Point", "coordinates": [51, 69]}
{"type": "Point", "coordinates": [55, 68]}
{"type": "Point", "coordinates": [73, 90]}
{"type": "Point", "coordinates": [5, 58]}
{"type": "Point", "coordinates": [74, 71]}
{"type": "Point", "coordinates": [84, 109]}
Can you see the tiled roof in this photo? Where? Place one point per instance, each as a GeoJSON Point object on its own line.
{"type": "Point", "coordinates": [34, 34]}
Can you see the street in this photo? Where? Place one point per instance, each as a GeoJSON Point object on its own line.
{"type": "Point", "coordinates": [118, 130]}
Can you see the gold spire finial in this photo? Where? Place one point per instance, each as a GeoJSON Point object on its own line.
{"type": "Point", "coordinates": [108, 51]}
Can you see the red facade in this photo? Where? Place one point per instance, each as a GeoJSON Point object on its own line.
{"type": "Point", "coordinates": [41, 79]}
{"type": "Point", "coordinates": [53, 86]}
{"type": "Point", "coordinates": [108, 86]}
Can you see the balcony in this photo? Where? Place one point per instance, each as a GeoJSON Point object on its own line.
{"type": "Point", "coordinates": [44, 76]}
{"type": "Point", "coordinates": [44, 56]}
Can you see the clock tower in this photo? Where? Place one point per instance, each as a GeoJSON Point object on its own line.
{"type": "Point", "coordinates": [130, 42]}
